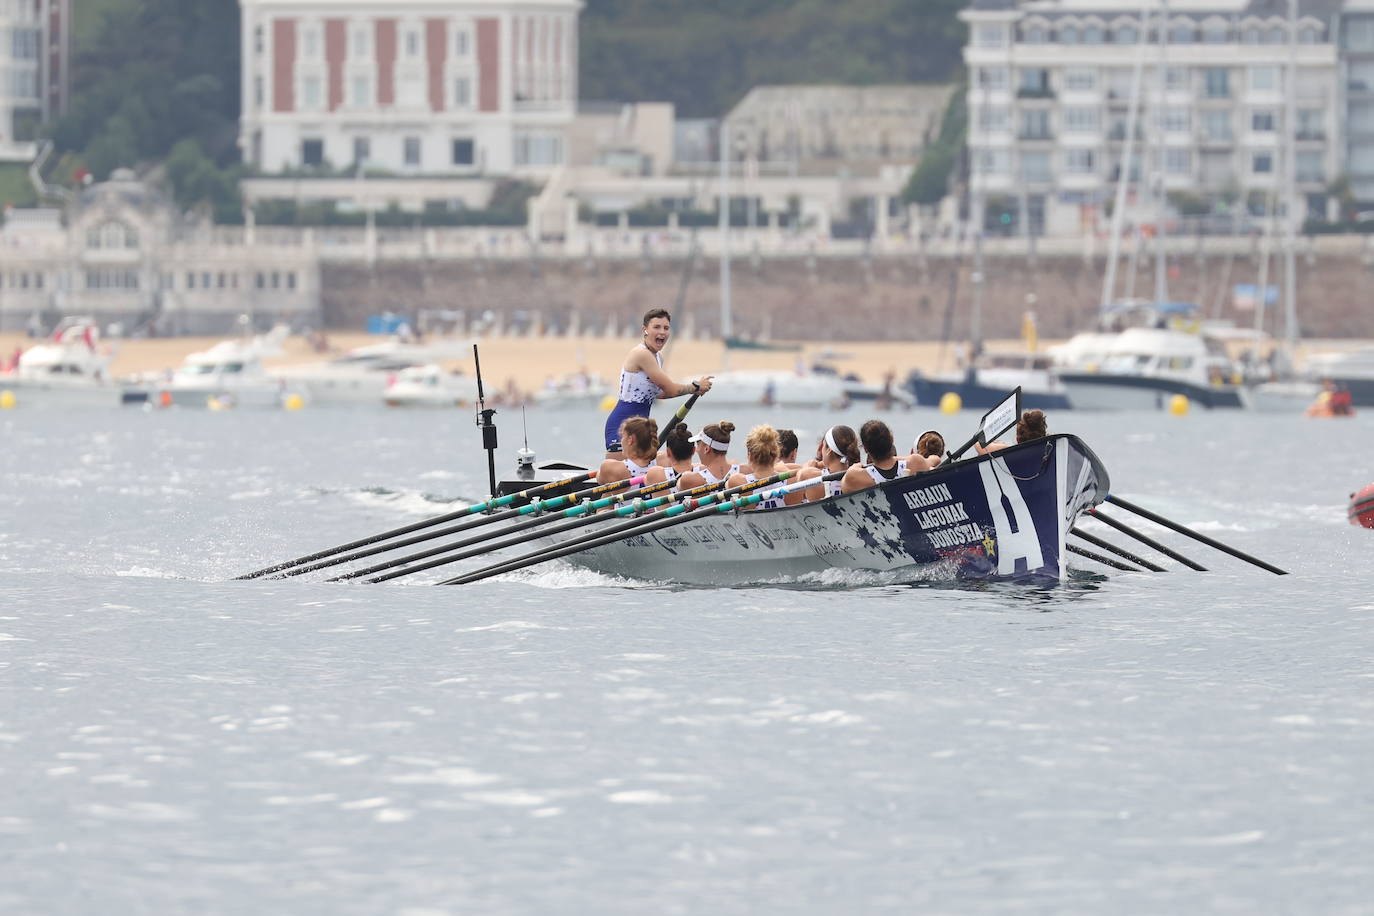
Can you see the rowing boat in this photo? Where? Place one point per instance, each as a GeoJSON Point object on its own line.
{"type": "Point", "coordinates": [1001, 515]}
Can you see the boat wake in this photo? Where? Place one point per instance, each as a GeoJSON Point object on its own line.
{"type": "Point", "coordinates": [402, 502]}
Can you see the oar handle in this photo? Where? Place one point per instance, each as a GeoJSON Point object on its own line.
{"type": "Point", "coordinates": [678, 417]}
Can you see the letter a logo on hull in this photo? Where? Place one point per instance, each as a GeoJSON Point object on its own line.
{"type": "Point", "coordinates": [1016, 535]}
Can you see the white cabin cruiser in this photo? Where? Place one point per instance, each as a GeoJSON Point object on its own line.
{"type": "Point", "coordinates": [229, 374]}
{"type": "Point", "coordinates": [1142, 367]}
{"type": "Point", "coordinates": [430, 386]}
{"type": "Point", "coordinates": [360, 376]}
{"type": "Point", "coordinates": [777, 388]}
{"type": "Point", "coordinates": [70, 369]}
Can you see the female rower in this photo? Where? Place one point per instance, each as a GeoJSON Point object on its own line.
{"type": "Point", "coordinates": [1032, 425]}
{"type": "Point", "coordinates": [642, 379]}
{"type": "Point", "coordinates": [929, 452]}
{"type": "Point", "coordinates": [882, 459]}
{"type": "Point", "coordinates": [679, 450]}
{"type": "Point", "coordinates": [640, 438]}
{"type": "Point", "coordinates": [837, 451]}
{"type": "Point", "coordinates": [764, 462]}
{"type": "Point", "coordinates": [712, 465]}
{"type": "Point", "coordinates": [788, 445]}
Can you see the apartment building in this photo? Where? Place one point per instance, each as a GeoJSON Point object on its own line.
{"type": "Point", "coordinates": [35, 62]}
{"type": "Point", "coordinates": [409, 87]}
{"type": "Point", "coordinates": [1051, 84]}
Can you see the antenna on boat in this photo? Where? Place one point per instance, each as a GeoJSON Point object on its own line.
{"type": "Point", "coordinates": [485, 424]}
{"type": "Point", "coordinates": [524, 459]}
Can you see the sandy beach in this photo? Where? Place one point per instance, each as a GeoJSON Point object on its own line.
{"type": "Point", "coordinates": [530, 361]}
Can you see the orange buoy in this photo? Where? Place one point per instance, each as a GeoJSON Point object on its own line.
{"type": "Point", "coordinates": [165, 399]}
{"type": "Point", "coordinates": [1361, 510]}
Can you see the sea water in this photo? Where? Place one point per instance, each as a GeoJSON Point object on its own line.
{"type": "Point", "coordinates": [173, 741]}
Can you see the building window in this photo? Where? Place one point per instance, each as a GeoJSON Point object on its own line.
{"type": "Point", "coordinates": [1214, 34]}
{"type": "Point", "coordinates": [412, 43]}
{"type": "Point", "coordinates": [1275, 36]}
{"type": "Point", "coordinates": [992, 161]}
{"type": "Point", "coordinates": [1308, 36]}
{"type": "Point", "coordinates": [1092, 34]}
{"type": "Point", "coordinates": [360, 43]}
{"type": "Point", "coordinates": [1263, 120]}
{"type": "Point", "coordinates": [462, 92]}
{"type": "Point", "coordinates": [411, 150]}
{"type": "Point", "coordinates": [362, 91]}
{"type": "Point", "coordinates": [291, 280]}
{"type": "Point", "coordinates": [1175, 120]}
{"type": "Point", "coordinates": [260, 281]}
{"type": "Point", "coordinates": [1310, 166]}
{"type": "Point", "coordinates": [1216, 83]}
{"type": "Point", "coordinates": [1216, 126]}
{"type": "Point", "coordinates": [1178, 161]}
{"type": "Point", "coordinates": [464, 152]}
{"type": "Point", "coordinates": [1251, 36]}
{"type": "Point", "coordinates": [1182, 33]}
{"type": "Point", "coordinates": [538, 150]}
{"type": "Point", "coordinates": [259, 92]}
{"type": "Point", "coordinates": [1080, 79]}
{"type": "Point", "coordinates": [1080, 161]}
{"type": "Point", "coordinates": [311, 94]}
{"type": "Point", "coordinates": [1035, 166]}
{"type": "Point", "coordinates": [190, 280]}
{"type": "Point", "coordinates": [257, 40]}
{"type": "Point", "coordinates": [1262, 163]}
{"type": "Point", "coordinates": [462, 42]}
{"type": "Point", "coordinates": [1310, 126]}
{"type": "Point", "coordinates": [1264, 79]}
{"type": "Point", "coordinates": [1035, 35]}
{"type": "Point", "coordinates": [310, 43]}
{"type": "Point", "coordinates": [1359, 34]}
{"type": "Point", "coordinates": [362, 150]}
{"type": "Point", "coordinates": [1035, 124]}
{"type": "Point", "coordinates": [1125, 35]}
{"type": "Point", "coordinates": [992, 77]}
{"type": "Point", "coordinates": [1081, 120]}
{"type": "Point", "coordinates": [1176, 78]}
{"type": "Point", "coordinates": [312, 152]}
{"type": "Point", "coordinates": [221, 281]}
{"type": "Point", "coordinates": [990, 35]}
{"type": "Point", "coordinates": [1035, 84]}
{"type": "Point", "coordinates": [1068, 34]}
{"type": "Point", "coordinates": [994, 117]}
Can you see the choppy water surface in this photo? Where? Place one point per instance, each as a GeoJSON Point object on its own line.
{"type": "Point", "coordinates": [172, 741]}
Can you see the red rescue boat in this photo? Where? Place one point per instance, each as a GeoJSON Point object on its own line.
{"type": "Point", "coordinates": [1362, 507]}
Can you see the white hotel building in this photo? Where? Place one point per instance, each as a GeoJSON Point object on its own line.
{"type": "Point", "coordinates": [411, 87]}
{"type": "Point", "coordinates": [1050, 89]}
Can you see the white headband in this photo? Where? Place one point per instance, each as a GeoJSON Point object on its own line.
{"type": "Point", "coordinates": [718, 446]}
{"type": "Point", "coordinates": [830, 441]}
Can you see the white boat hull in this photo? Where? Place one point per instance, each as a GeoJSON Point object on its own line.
{"type": "Point", "coordinates": [53, 394]}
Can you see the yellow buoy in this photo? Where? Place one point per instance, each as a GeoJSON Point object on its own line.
{"type": "Point", "coordinates": [950, 402]}
{"type": "Point", "coordinates": [1178, 405]}
{"type": "Point", "coordinates": [609, 401]}
{"type": "Point", "coordinates": [7, 400]}
{"type": "Point", "coordinates": [293, 402]}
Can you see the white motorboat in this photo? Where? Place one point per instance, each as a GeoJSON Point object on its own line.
{"type": "Point", "coordinates": [777, 388]}
{"type": "Point", "coordinates": [1293, 396]}
{"type": "Point", "coordinates": [360, 376]}
{"type": "Point", "coordinates": [430, 386]}
{"type": "Point", "coordinates": [1142, 367]}
{"type": "Point", "coordinates": [577, 389]}
{"type": "Point", "coordinates": [229, 374]}
{"type": "Point", "coordinates": [70, 369]}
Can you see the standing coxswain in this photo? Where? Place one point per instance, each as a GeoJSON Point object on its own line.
{"type": "Point", "coordinates": [643, 379]}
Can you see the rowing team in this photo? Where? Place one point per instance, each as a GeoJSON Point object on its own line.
{"type": "Point", "coordinates": [697, 460]}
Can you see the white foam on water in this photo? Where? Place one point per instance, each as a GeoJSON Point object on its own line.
{"type": "Point", "coordinates": [143, 572]}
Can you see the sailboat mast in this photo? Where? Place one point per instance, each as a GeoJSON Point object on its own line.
{"type": "Point", "coordinates": [1123, 180]}
{"type": "Point", "coordinates": [1290, 180]}
{"type": "Point", "coordinates": [1162, 199]}
{"type": "Point", "coordinates": [725, 316]}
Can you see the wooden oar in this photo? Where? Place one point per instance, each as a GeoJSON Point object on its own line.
{"type": "Point", "coordinates": [575, 517]}
{"type": "Point", "coordinates": [678, 417]}
{"type": "Point", "coordinates": [533, 506]}
{"type": "Point", "coordinates": [546, 514]}
{"type": "Point", "coordinates": [683, 512]}
{"type": "Point", "coordinates": [489, 504]}
{"type": "Point", "coordinates": [1105, 561]}
{"type": "Point", "coordinates": [1197, 536]}
{"type": "Point", "coordinates": [1119, 551]}
{"type": "Point", "coordinates": [1144, 538]}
